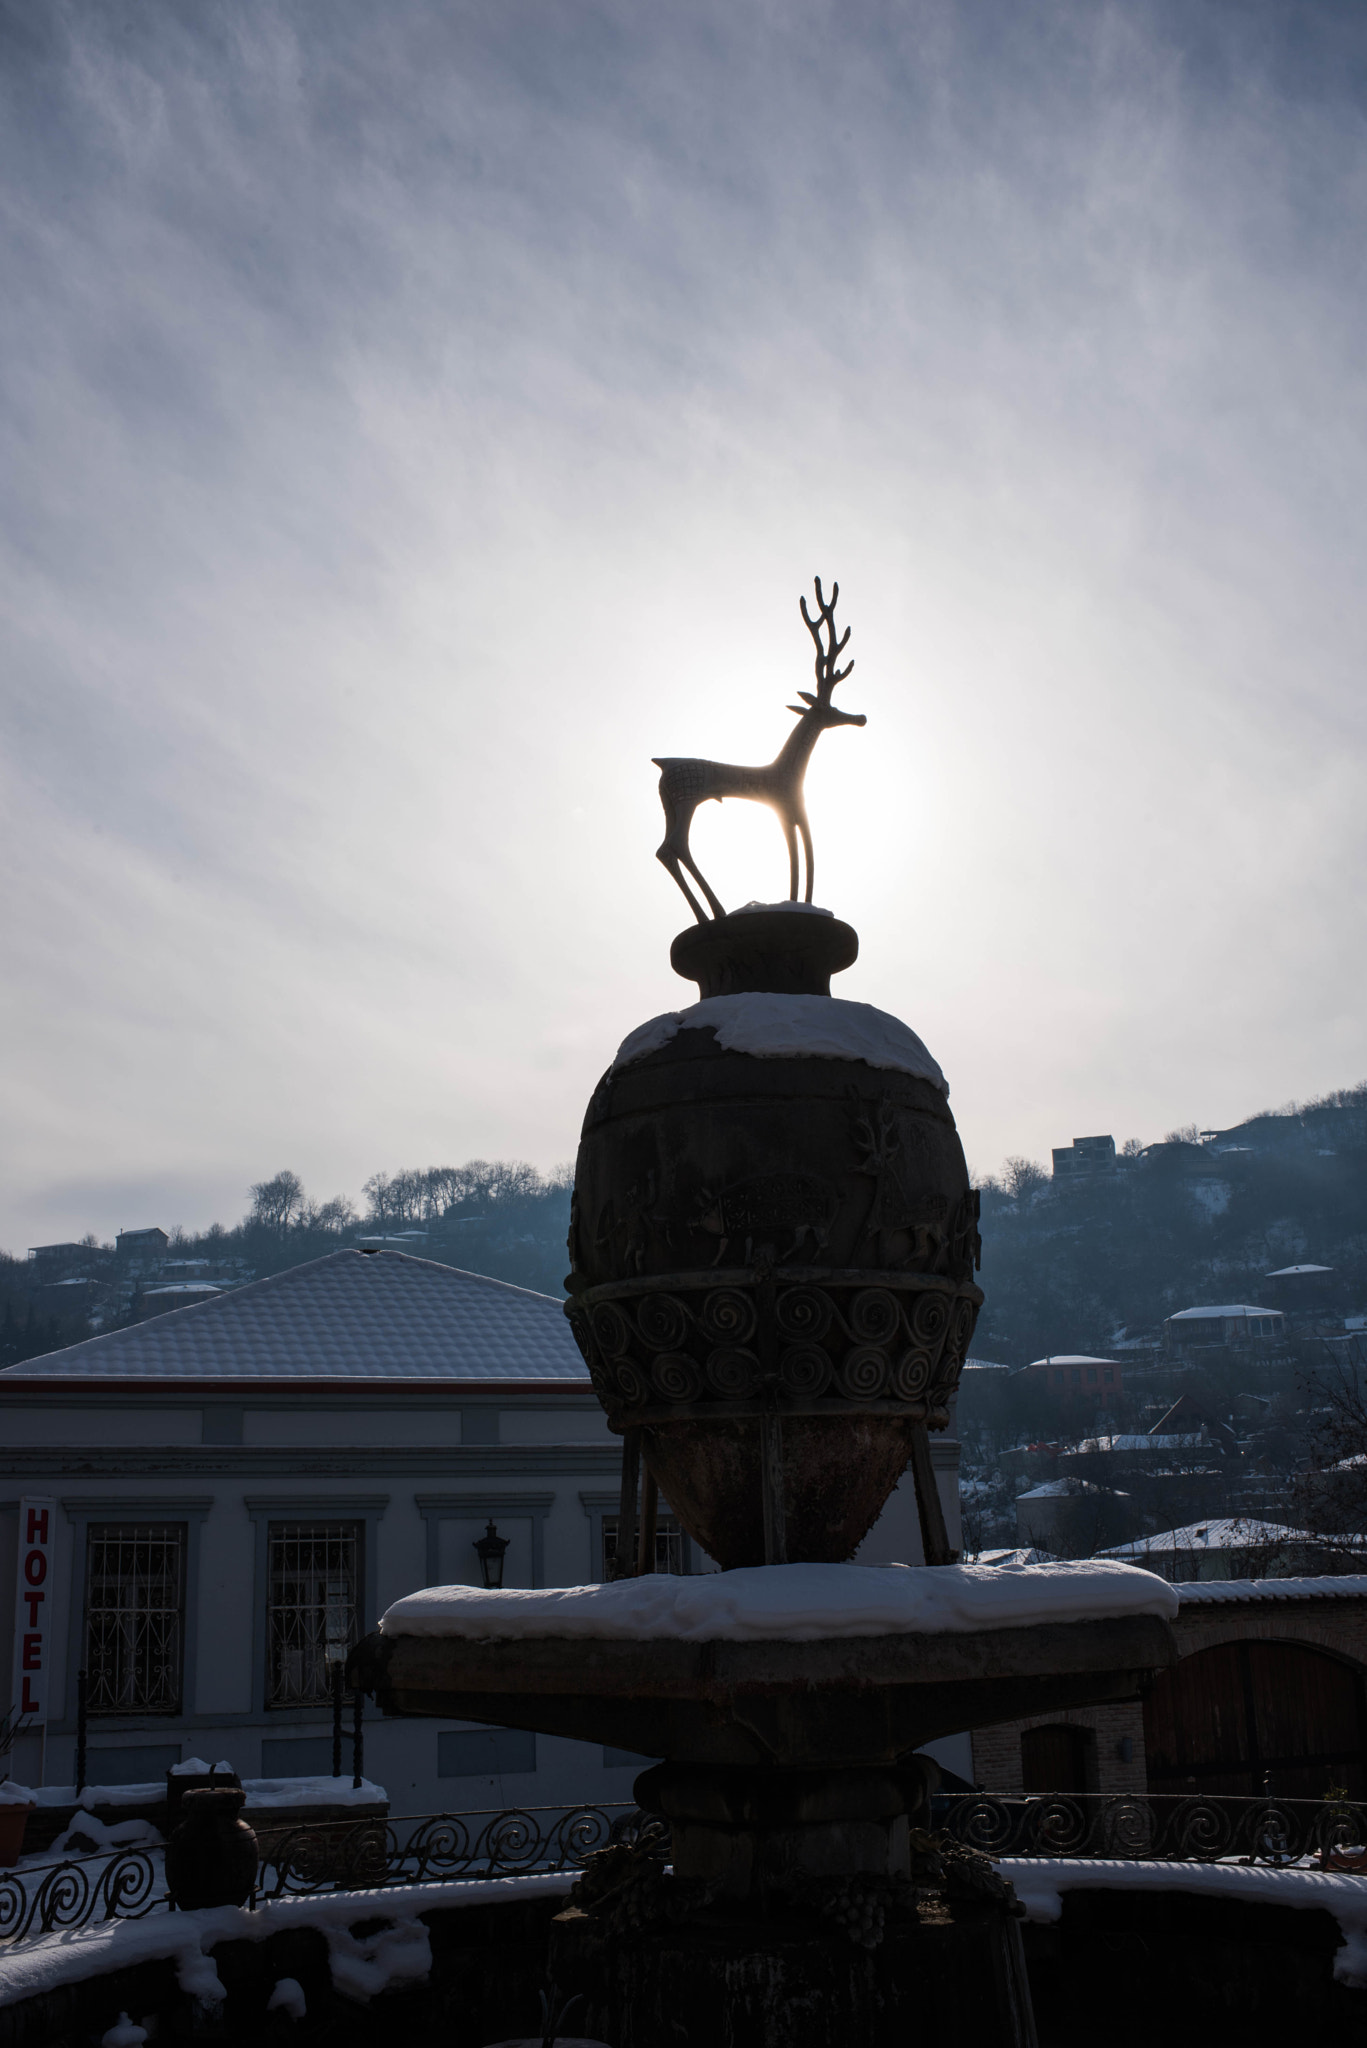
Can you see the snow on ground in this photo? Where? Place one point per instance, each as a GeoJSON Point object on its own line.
{"type": "Point", "coordinates": [772, 1027]}
{"type": "Point", "coordinates": [88, 1834]}
{"type": "Point", "coordinates": [796, 1603]}
{"type": "Point", "coordinates": [398, 1953]}
{"type": "Point", "coordinates": [1041, 1881]}
{"type": "Point", "coordinates": [265, 1794]}
{"type": "Point", "coordinates": [260, 1792]}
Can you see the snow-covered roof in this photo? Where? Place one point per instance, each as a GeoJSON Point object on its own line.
{"type": "Point", "coordinates": [776, 1027]}
{"type": "Point", "coordinates": [1236, 1532]}
{"type": "Point", "coordinates": [1071, 1358]}
{"type": "Point", "coordinates": [1021, 1555]}
{"type": "Point", "coordinates": [354, 1316]}
{"type": "Point", "coordinates": [1223, 1308]}
{"type": "Point", "coordinates": [1286, 1272]}
{"type": "Point", "coordinates": [1200, 1440]}
{"type": "Point", "coordinates": [1215, 1592]}
{"type": "Point", "coordinates": [1065, 1489]}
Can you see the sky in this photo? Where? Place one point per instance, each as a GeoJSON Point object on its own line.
{"type": "Point", "coordinates": [415, 418]}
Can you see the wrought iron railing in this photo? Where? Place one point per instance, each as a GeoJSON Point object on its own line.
{"type": "Point", "coordinates": [458, 1848]}
{"type": "Point", "coordinates": [330, 1856]}
{"type": "Point", "coordinates": [1158, 1827]}
{"type": "Point", "coordinates": [445, 1848]}
{"type": "Point", "coordinates": [48, 1897]}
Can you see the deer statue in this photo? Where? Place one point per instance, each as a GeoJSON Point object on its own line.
{"type": "Point", "coordinates": [685, 784]}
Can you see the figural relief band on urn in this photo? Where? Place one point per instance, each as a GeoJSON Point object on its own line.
{"type": "Point", "coordinates": [773, 1237]}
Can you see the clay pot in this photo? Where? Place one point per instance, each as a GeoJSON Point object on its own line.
{"type": "Point", "coordinates": [211, 1857]}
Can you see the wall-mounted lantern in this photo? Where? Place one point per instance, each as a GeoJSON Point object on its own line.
{"type": "Point", "coordinates": [491, 1547]}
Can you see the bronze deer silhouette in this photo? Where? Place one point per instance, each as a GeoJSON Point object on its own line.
{"type": "Point", "coordinates": [685, 784]}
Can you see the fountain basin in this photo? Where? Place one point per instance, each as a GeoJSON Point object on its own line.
{"type": "Point", "coordinates": [786, 1701]}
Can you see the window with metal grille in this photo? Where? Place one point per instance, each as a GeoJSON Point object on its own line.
{"type": "Point", "coordinates": [135, 1616]}
{"type": "Point", "coordinates": [670, 1555]}
{"type": "Point", "coordinates": [313, 1598]}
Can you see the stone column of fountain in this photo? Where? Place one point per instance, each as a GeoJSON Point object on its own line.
{"type": "Point", "coordinates": [773, 1245]}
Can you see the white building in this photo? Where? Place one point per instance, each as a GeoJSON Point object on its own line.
{"type": "Point", "coordinates": [243, 1486]}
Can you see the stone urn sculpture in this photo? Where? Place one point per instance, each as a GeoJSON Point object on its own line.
{"type": "Point", "coordinates": [773, 1242]}
{"type": "Point", "coordinates": [211, 1857]}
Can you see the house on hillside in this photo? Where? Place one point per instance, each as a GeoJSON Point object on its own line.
{"type": "Point", "coordinates": [1234, 1323]}
{"type": "Point", "coordinates": [1084, 1159]}
{"type": "Point", "coordinates": [238, 1489]}
{"type": "Point", "coordinates": [1071, 1517]}
{"type": "Point", "coordinates": [1301, 1289]}
{"type": "Point", "coordinates": [1073, 1375]}
{"type": "Point", "coordinates": [1230, 1547]}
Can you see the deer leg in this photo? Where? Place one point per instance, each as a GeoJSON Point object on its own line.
{"type": "Point", "coordinates": [807, 847]}
{"type": "Point", "coordinates": [718, 908]}
{"type": "Point", "coordinates": [672, 846]}
{"type": "Point", "coordinates": [666, 856]}
{"type": "Point", "coordinates": [790, 835]}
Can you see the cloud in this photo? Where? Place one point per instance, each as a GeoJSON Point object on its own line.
{"type": "Point", "coordinates": [417, 418]}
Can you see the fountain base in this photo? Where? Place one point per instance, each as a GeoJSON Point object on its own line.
{"type": "Point", "coordinates": [943, 1972]}
{"type": "Point", "coordinates": [749, 1833]}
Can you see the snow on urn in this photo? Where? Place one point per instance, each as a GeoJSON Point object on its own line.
{"type": "Point", "coordinates": [773, 1238]}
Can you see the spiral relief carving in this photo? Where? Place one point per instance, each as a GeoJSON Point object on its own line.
{"type": "Point", "coordinates": [630, 1383]}
{"type": "Point", "coordinates": [964, 1318]}
{"type": "Point", "coordinates": [733, 1372]}
{"type": "Point", "coordinates": [930, 1318]}
{"type": "Point", "coordinates": [862, 1374]}
{"type": "Point", "coordinates": [911, 1376]}
{"type": "Point", "coordinates": [663, 1322]}
{"type": "Point", "coordinates": [664, 1350]}
{"type": "Point", "coordinates": [803, 1313]}
{"type": "Point", "coordinates": [873, 1315]}
{"type": "Point", "coordinates": [728, 1316]}
{"type": "Point", "coordinates": [611, 1329]}
{"type": "Point", "coordinates": [805, 1371]}
{"type": "Point", "coordinates": [675, 1377]}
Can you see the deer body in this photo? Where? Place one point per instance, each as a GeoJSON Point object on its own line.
{"type": "Point", "coordinates": [685, 783]}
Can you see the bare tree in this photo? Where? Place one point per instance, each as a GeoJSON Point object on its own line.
{"type": "Point", "coordinates": [334, 1217]}
{"type": "Point", "coordinates": [1023, 1178]}
{"type": "Point", "coordinates": [278, 1202]}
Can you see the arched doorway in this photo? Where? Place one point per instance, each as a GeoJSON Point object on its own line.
{"type": "Point", "coordinates": [1054, 1759]}
{"type": "Point", "coordinates": [1245, 1715]}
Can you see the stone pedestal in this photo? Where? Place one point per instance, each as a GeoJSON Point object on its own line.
{"type": "Point", "coordinates": [947, 1974]}
{"type": "Point", "coordinates": [755, 1832]}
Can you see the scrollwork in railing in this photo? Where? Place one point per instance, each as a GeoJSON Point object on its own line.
{"type": "Point", "coordinates": [1156, 1827]}
{"type": "Point", "coordinates": [52, 1898]}
{"type": "Point", "coordinates": [441, 1848]}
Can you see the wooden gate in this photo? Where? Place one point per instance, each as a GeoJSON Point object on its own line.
{"type": "Point", "coordinates": [1250, 1716]}
{"type": "Point", "coordinates": [1054, 1759]}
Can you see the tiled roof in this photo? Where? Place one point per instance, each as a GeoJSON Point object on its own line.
{"type": "Point", "coordinates": [359, 1316]}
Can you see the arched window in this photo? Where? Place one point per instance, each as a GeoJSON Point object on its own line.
{"type": "Point", "coordinates": [1241, 1715]}
{"type": "Point", "coordinates": [1054, 1759]}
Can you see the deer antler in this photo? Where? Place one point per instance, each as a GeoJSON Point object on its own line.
{"type": "Point", "coordinates": [827, 674]}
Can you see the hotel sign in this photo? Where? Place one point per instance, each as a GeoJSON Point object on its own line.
{"type": "Point", "coordinates": [34, 1636]}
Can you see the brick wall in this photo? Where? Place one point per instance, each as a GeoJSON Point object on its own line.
{"type": "Point", "coordinates": [997, 1751]}
{"type": "Point", "coordinates": [1337, 1625]}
